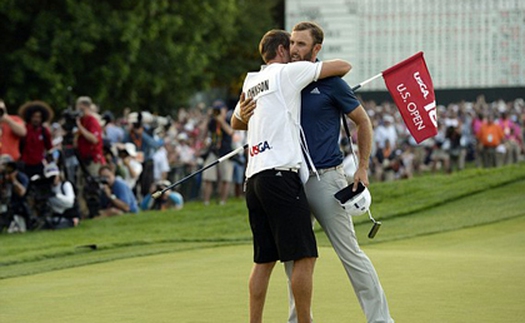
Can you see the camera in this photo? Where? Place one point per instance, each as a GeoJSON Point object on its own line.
{"type": "Point", "coordinates": [70, 118]}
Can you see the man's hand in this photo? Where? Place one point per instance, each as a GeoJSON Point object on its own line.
{"type": "Point", "coordinates": [360, 175]}
{"type": "Point", "coordinates": [247, 108]}
{"type": "Point", "coordinates": [107, 190]}
{"type": "Point", "coordinates": [11, 177]}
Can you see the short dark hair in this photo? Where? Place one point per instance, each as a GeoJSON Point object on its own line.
{"type": "Point", "coordinates": [271, 42]}
{"type": "Point", "coordinates": [315, 30]}
{"type": "Point", "coordinates": [105, 167]}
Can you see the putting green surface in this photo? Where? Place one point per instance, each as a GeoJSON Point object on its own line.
{"type": "Point", "coordinates": [470, 275]}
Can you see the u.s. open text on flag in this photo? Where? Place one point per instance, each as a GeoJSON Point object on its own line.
{"type": "Point", "coordinates": [410, 85]}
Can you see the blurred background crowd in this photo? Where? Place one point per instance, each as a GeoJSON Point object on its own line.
{"type": "Point", "coordinates": [57, 169]}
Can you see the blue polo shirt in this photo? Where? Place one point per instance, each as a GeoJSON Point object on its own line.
{"type": "Point", "coordinates": [322, 103]}
{"type": "Point", "coordinates": [123, 193]}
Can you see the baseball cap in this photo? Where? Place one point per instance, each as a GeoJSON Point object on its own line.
{"type": "Point", "coordinates": [130, 149]}
{"type": "Point", "coordinates": [85, 100]}
{"type": "Point", "coordinates": [5, 158]}
{"type": "Point", "coordinates": [50, 170]}
{"type": "Point", "coordinates": [218, 104]}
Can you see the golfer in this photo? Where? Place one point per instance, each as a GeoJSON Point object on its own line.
{"type": "Point", "coordinates": [322, 104]}
{"type": "Point", "coordinates": [278, 211]}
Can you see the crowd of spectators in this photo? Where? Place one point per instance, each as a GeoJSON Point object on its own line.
{"type": "Point", "coordinates": [486, 134]}
{"type": "Point", "coordinates": [58, 169]}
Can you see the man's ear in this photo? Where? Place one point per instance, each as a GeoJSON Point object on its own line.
{"type": "Point", "coordinates": [281, 50]}
{"type": "Point", "coordinates": [317, 49]}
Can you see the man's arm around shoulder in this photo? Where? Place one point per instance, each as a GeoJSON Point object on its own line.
{"type": "Point", "coordinates": [335, 67]}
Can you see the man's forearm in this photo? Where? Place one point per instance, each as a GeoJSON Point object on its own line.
{"type": "Point", "coordinates": [19, 189]}
{"type": "Point", "coordinates": [365, 134]}
{"type": "Point", "coordinates": [238, 124]}
{"type": "Point", "coordinates": [226, 127]}
{"type": "Point", "coordinates": [88, 135]}
{"type": "Point", "coordinates": [120, 204]}
{"type": "Point", "coordinates": [364, 143]}
{"type": "Point", "coordinates": [18, 128]}
{"type": "Point", "coordinates": [335, 67]}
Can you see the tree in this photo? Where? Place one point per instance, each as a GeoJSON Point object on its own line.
{"type": "Point", "coordinates": [138, 53]}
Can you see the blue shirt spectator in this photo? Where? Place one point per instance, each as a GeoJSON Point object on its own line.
{"type": "Point", "coordinates": [117, 197]}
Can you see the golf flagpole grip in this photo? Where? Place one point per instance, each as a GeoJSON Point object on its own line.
{"type": "Point", "coordinates": [358, 86]}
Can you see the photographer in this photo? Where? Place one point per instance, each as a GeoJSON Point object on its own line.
{"type": "Point", "coordinates": [89, 146]}
{"type": "Point", "coordinates": [117, 197]}
{"type": "Point", "coordinates": [128, 164]}
{"type": "Point", "coordinates": [13, 188]}
{"type": "Point", "coordinates": [65, 210]}
{"type": "Point", "coordinates": [12, 128]}
{"type": "Point", "coordinates": [170, 200]}
{"type": "Point", "coordinates": [221, 143]}
{"type": "Point", "coordinates": [146, 145]}
{"type": "Point", "coordinates": [37, 142]}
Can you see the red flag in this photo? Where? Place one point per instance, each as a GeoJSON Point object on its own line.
{"type": "Point", "coordinates": [410, 86]}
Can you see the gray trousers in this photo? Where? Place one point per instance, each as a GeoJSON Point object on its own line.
{"type": "Point", "coordinates": [339, 228]}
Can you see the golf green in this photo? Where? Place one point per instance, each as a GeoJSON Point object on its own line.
{"type": "Point", "coordinates": [469, 275]}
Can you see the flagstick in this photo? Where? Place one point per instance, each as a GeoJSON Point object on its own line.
{"type": "Point", "coordinates": [358, 86]}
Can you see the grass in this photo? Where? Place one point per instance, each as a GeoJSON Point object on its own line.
{"type": "Point", "coordinates": [467, 275]}
{"type": "Point", "coordinates": [152, 233]}
{"type": "Point", "coordinates": [454, 254]}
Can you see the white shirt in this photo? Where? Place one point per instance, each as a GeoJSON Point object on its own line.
{"type": "Point", "coordinates": [62, 201]}
{"type": "Point", "coordinates": [273, 130]}
{"type": "Point", "coordinates": [137, 169]}
{"type": "Point", "coordinates": [160, 163]}
{"type": "Point", "coordinates": [382, 134]}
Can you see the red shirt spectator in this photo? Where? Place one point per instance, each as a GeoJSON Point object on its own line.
{"type": "Point", "coordinates": [9, 141]}
{"type": "Point", "coordinates": [11, 129]}
{"type": "Point", "coordinates": [35, 145]}
{"type": "Point", "coordinates": [37, 142]}
{"type": "Point", "coordinates": [86, 149]}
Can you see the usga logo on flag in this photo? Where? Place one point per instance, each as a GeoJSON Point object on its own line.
{"type": "Point", "coordinates": [411, 87]}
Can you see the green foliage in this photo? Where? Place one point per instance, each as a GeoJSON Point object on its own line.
{"type": "Point", "coordinates": [143, 54]}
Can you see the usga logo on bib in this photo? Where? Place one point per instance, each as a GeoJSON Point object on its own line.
{"type": "Point", "coordinates": [259, 148]}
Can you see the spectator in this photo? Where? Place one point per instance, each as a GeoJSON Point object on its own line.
{"type": "Point", "coordinates": [490, 136]}
{"type": "Point", "coordinates": [37, 142]}
{"type": "Point", "coordinates": [170, 200]}
{"type": "Point", "coordinates": [89, 140]}
{"type": "Point", "coordinates": [184, 163]}
{"type": "Point", "coordinates": [128, 164]}
{"type": "Point", "coordinates": [14, 185]}
{"type": "Point", "coordinates": [439, 156]}
{"type": "Point", "coordinates": [89, 148]}
{"type": "Point", "coordinates": [146, 147]}
{"type": "Point", "coordinates": [386, 131]}
{"type": "Point", "coordinates": [117, 198]}
{"type": "Point", "coordinates": [161, 165]}
{"type": "Point", "coordinates": [476, 127]}
{"type": "Point", "coordinates": [221, 144]}
{"type": "Point", "coordinates": [113, 133]}
{"type": "Point", "coordinates": [12, 129]}
{"type": "Point", "coordinates": [66, 213]}
{"type": "Point", "coordinates": [513, 138]}
{"type": "Point", "coordinates": [239, 162]}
